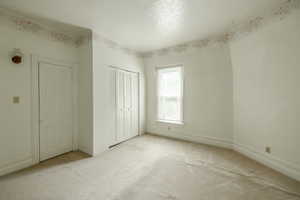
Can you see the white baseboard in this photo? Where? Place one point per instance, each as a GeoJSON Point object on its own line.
{"type": "Point", "coordinates": [279, 165]}
{"type": "Point", "coordinates": [284, 167]}
{"type": "Point", "coordinates": [287, 168]}
{"type": "Point", "coordinates": [16, 166]}
{"type": "Point", "coordinates": [85, 150]}
{"type": "Point", "coordinates": [197, 138]}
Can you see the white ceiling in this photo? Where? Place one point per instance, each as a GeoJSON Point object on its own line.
{"type": "Point", "coordinates": [145, 25]}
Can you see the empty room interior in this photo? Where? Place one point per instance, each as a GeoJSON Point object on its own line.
{"type": "Point", "coordinates": [150, 100]}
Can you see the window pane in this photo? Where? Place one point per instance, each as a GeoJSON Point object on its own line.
{"type": "Point", "coordinates": [169, 94]}
{"type": "Point", "coordinates": [170, 84]}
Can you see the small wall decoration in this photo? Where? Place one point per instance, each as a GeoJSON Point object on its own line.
{"type": "Point", "coordinates": [17, 56]}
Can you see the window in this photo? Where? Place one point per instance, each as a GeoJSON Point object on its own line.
{"type": "Point", "coordinates": [169, 92]}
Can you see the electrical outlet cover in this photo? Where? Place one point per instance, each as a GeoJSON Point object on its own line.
{"type": "Point", "coordinates": [16, 100]}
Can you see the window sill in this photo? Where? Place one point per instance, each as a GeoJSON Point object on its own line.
{"type": "Point", "coordinates": [170, 122]}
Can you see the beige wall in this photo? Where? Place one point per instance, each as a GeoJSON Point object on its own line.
{"type": "Point", "coordinates": [207, 95]}
{"type": "Point", "coordinates": [266, 71]}
{"type": "Point", "coordinates": [85, 97]}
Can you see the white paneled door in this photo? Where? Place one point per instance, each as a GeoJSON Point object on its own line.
{"type": "Point", "coordinates": [126, 105]}
{"type": "Point", "coordinates": [56, 115]}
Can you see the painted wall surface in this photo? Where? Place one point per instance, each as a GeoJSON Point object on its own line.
{"type": "Point", "coordinates": [207, 95]}
{"type": "Point", "coordinates": [85, 97]}
{"type": "Point", "coordinates": [103, 57]}
{"type": "Point", "coordinates": [266, 71]}
{"type": "Point", "coordinates": [15, 80]}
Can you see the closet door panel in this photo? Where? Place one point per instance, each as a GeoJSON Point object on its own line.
{"type": "Point", "coordinates": [113, 105]}
{"type": "Point", "coordinates": [120, 106]}
{"type": "Point", "coordinates": [128, 106]}
{"type": "Point", "coordinates": [135, 105]}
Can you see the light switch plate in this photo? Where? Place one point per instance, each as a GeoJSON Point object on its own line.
{"type": "Point", "coordinates": [16, 100]}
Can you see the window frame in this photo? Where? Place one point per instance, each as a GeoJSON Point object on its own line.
{"type": "Point", "coordinates": [181, 122]}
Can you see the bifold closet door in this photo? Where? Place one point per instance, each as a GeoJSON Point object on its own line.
{"type": "Point", "coordinates": [56, 104]}
{"type": "Point", "coordinates": [126, 105]}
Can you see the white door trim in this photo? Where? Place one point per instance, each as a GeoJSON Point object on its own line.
{"type": "Point", "coordinates": [35, 110]}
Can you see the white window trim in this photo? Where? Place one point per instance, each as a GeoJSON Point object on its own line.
{"type": "Point", "coordinates": [181, 122]}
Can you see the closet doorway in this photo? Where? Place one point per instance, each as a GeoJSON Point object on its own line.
{"type": "Point", "coordinates": [124, 104]}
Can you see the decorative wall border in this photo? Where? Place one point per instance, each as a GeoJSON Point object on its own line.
{"type": "Point", "coordinates": [234, 32]}
{"type": "Point", "coordinates": [114, 45]}
{"type": "Point", "coordinates": [26, 24]}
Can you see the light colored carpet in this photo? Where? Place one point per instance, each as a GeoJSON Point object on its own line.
{"type": "Point", "coordinates": [150, 168]}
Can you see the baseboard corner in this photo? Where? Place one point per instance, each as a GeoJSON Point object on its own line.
{"type": "Point", "coordinates": [27, 162]}
{"type": "Point", "coordinates": [279, 165]}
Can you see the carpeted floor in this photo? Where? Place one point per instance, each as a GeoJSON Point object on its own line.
{"type": "Point", "coordinates": [150, 168]}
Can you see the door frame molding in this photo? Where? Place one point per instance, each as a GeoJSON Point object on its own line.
{"type": "Point", "coordinates": [35, 107]}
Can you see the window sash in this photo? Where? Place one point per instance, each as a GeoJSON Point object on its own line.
{"type": "Point", "coordinates": [168, 101]}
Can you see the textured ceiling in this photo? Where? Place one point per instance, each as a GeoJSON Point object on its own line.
{"type": "Point", "coordinates": [145, 25]}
